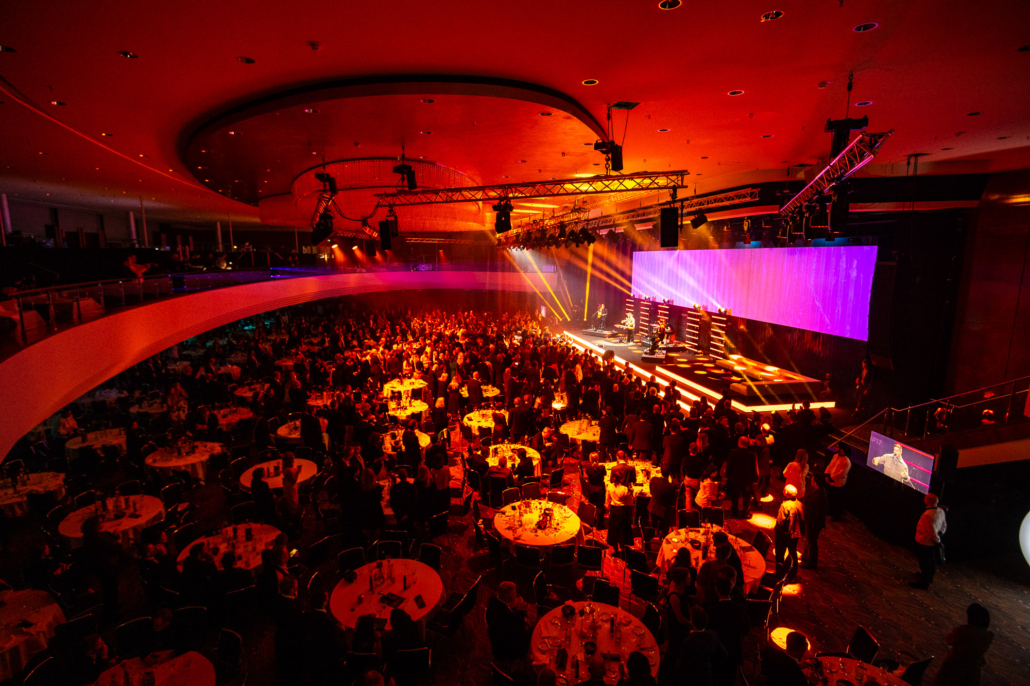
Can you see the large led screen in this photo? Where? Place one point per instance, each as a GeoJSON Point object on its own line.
{"type": "Point", "coordinates": [900, 462]}
{"type": "Point", "coordinates": [817, 289]}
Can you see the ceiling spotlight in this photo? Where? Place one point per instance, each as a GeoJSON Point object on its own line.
{"type": "Point", "coordinates": [127, 54]}
{"type": "Point", "coordinates": [590, 82]}
{"type": "Point", "coordinates": [407, 175]}
{"type": "Point", "coordinates": [868, 26]}
{"type": "Point", "coordinates": [245, 60]}
{"type": "Point", "coordinates": [502, 222]}
{"type": "Point", "coordinates": [425, 133]}
{"type": "Point", "coordinates": [428, 101]}
{"type": "Point", "coordinates": [669, 4]}
{"type": "Point", "coordinates": [58, 103]}
{"type": "Point", "coordinates": [698, 221]}
{"type": "Point", "coordinates": [545, 114]}
{"type": "Point", "coordinates": [735, 93]}
{"type": "Point", "coordinates": [664, 130]}
{"type": "Point", "coordinates": [864, 103]}
{"type": "Point", "coordinates": [322, 229]}
{"type": "Point", "coordinates": [766, 135]}
{"type": "Point", "coordinates": [971, 114]}
{"type": "Point", "coordinates": [310, 110]}
{"type": "Point", "coordinates": [771, 16]}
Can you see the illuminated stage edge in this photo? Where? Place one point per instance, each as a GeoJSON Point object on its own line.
{"type": "Point", "coordinates": [682, 383]}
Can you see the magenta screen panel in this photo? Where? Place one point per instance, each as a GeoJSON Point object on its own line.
{"type": "Point", "coordinates": [817, 289]}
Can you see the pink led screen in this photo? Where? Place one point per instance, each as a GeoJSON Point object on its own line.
{"type": "Point", "coordinates": [818, 289]}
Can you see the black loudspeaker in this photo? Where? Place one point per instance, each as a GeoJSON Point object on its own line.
{"type": "Point", "coordinates": [947, 463]}
{"type": "Point", "coordinates": [370, 247]}
{"type": "Point", "coordinates": [616, 157]}
{"type": "Point", "coordinates": [880, 299]}
{"type": "Point", "coordinates": [670, 227]}
{"type": "Point", "coordinates": [384, 234]}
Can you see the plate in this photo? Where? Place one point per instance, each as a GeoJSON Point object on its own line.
{"type": "Point", "coordinates": [543, 647]}
{"type": "Point", "coordinates": [604, 616]}
{"type": "Point", "coordinates": [638, 630]}
{"type": "Point", "coordinates": [555, 641]}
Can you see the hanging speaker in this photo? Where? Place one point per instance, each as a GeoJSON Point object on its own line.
{"type": "Point", "coordinates": [370, 247]}
{"type": "Point", "coordinates": [669, 227]}
{"type": "Point", "coordinates": [881, 297]}
{"type": "Point", "coordinates": [384, 234]}
{"type": "Point", "coordinates": [947, 463]}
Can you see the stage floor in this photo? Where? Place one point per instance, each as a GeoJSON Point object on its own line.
{"type": "Point", "coordinates": [753, 386]}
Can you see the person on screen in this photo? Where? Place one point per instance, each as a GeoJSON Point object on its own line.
{"type": "Point", "coordinates": [894, 466]}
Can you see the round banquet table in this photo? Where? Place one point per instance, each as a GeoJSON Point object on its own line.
{"type": "Point", "coordinates": [517, 523]}
{"type": "Point", "coordinates": [482, 421]}
{"type": "Point", "coordinates": [247, 392]}
{"type": "Point", "coordinates": [149, 510]}
{"type": "Point", "coordinates": [308, 469]}
{"type": "Point", "coordinates": [37, 613]}
{"type": "Point", "coordinates": [488, 391]}
{"type": "Point", "coordinates": [846, 668]}
{"type": "Point", "coordinates": [95, 439]}
{"type": "Point", "coordinates": [285, 364]}
{"type": "Point", "coordinates": [352, 600]}
{"type": "Point", "coordinates": [402, 386]}
{"type": "Point", "coordinates": [392, 441]}
{"type": "Point", "coordinates": [403, 410]}
{"type": "Point", "coordinates": [645, 470]}
{"type": "Point", "coordinates": [508, 451]}
{"type": "Point", "coordinates": [229, 369]}
{"type": "Point", "coordinates": [582, 430]}
{"type": "Point", "coordinates": [248, 553]}
{"type": "Point", "coordinates": [559, 403]}
{"type": "Point", "coordinates": [107, 395]}
{"type": "Point", "coordinates": [231, 416]}
{"type": "Point", "coordinates": [290, 430]}
{"type": "Point", "coordinates": [188, 669]}
{"type": "Point", "coordinates": [16, 503]}
{"type": "Point", "coordinates": [150, 407]}
{"type": "Point", "coordinates": [752, 562]}
{"type": "Point", "coordinates": [166, 461]}
{"type": "Point", "coordinates": [182, 366]}
{"type": "Point", "coordinates": [552, 632]}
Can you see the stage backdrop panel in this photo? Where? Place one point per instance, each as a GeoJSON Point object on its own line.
{"type": "Point", "coordinates": [816, 289]}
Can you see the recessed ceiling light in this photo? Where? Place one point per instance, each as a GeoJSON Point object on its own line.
{"type": "Point", "coordinates": [7, 48]}
{"type": "Point", "coordinates": [108, 135]}
{"type": "Point", "coordinates": [425, 133]}
{"type": "Point", "coordinates": [58, 103]}
{"type": "Point", "coordinates": [422, 157]}
{"type": "Point", "coordinates": [207, 180]}
{"type": "Point", "coordinates": [505, 176]}
{"type": "Point", "coordinates": [766, 135]}
{"type": "Point", "coordinates": [523, 161]}
{"type": "Point", "coordinates": [313, 152]}
{"type": "Point", "coordinates": [868, 26]}
{"type": "Point", "coordinates": [974, 114]}
{"type": "Point", "coordinates": [232, 133]}
{"type": "Point", "coordinates": [947, 148]}
{"type": "Point", "coordinates": [310, 110]}
{"type": "Point", "coordinates": [864, 103]}
{"type": "Point", "coordinates": [42, 153]}
{"type": "Point", "coordinates": [590, 82]}
{"type": "Point", "coordinates": [127, 54]}
{"type": "Point", "coordinates": [669, 4]}
{"type": "Point", "coordinates": [735, 93]}
{"type": "Point", "coordinates": [704, 158]}
{"type": "Point", "coordinates": [142, 155]}
{"type": "Point", "coordinates": [199, 167]}
{"type": "Point", "coordinates": [269, 169]}
{"type": "Point", "coordinates": [428, 100]}
{"type": "Point", "coordinates": [545, 114]}
{"type": "Point", "coordinates": [1023, 48]}
{"type": "Point", "coordinates": [1001, 138]}
{"type": "Point", "coordinates": [100, 169]}
{"type": "Point", "coordinates": [664, 130]}
{"type": "Point", "coordinates": [771, 16]}
{"type": "Point", "coordinates": [245, 60]}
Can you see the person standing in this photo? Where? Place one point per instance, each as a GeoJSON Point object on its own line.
{"type": "Point", "coordinates": [790, 527]}
{"type": "Point", "coordinates": [816, 507]}
{"type": "Point", "coordinates": [837, 476]}
{"type": "Point", "coordinates": [742, 473]}
{"type": "Point", "coordinates": [619, 503]}
{"type": "Point", "coordinates": [932, 523]}
{"type": "Point", "coordinates": [796, 473]}
{"type": "Point", "coordinates": [967, 645]}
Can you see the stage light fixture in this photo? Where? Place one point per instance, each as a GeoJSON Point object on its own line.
{"type": "Point", "coordinates": [698, 221]}
{"type": "Point", "coordinates": [589, 237]}
{"type": "Point", "coordinates": [322, 229]}
{"type": "Point", "coordinates": [502, 220]}
{"type": "Point", "coordinates": [407, 175]}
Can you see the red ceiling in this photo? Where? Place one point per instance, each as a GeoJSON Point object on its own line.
{"type": "Point", "coordinates": [925, 67]}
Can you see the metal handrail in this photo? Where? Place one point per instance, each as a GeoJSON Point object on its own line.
{"type": "Point", "coordinates": [978, 390]}
{"type": "Point", "coordinates": [886, 409]}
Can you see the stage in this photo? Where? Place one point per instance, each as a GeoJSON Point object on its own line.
{"type": "Point", "coordinates": [751, 385]}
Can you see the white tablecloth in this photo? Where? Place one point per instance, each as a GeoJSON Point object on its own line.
{"type": "Point", "coordinates": [404, 410]}
{"type": "Point", "coordinates": [846, 668]}
{"type": "Point", "coordinates": [645, 470]}
{"type": "Point", "coordinates": [308, 469]}
{"type": "Point", "coordinates": [96, 439]}
{"type": "Point", "coordinates": [230, 416]}
{"type": "Point", "coordinates": [402, 386]}
{"type": "Point", "coordinates": [247, 392]}
{"type": "Point", "coordinates": [19, 643]}
{"type": "Point", "coordinates": [167, 460]}
{"type": "Point", "coordinates": [127, 528]}
{"type": "Point", "coordinates": [392, 441]}
{"type": "Point", "coordinates": [16, 503]}
{"type": "Point", "coordinates": [248, 553]}
{"type": "Point", "coordinates": [752, 562]}
{"type": "Point", "coordinates": [508, 451]}
{"type": "Point", "coordinates": [582, 430]}
{"type": "Point", "coordinates": [188, 669]}
{"type": "Point", "coordinates": [553, 632]}
{"type": "Point", "coordinates": [488, 391]}
{"type": "Point", "coordinates": [517, 523]}
{"type": "Point", "coordinates": [352, 600]}
{"type": "Point", "coordinates": [150, 407]}
{"type": "Point", "coordinates": [482, 421]}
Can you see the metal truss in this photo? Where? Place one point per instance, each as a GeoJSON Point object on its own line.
{"type": "Point", "coordinates": [859, 153]}
{"type": "Point", "coordinates": [542, 189]}
{"type": "Point", "coordinates": [446, 241]}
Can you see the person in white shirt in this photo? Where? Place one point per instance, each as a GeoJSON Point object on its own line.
{"type": "Point", "coordinates": [836, 477]}
{"type": "Point", "coordinates": [932, 524]}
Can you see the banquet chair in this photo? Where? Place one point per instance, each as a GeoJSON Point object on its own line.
{"type": "Point", "coordinates": [758, 613]}
{"type": "Point", "coordinates": [643, 586]}
{"type": "Point", "coordinates": [562, 556]}
{"type": "Point", "coordinates": [590, 557]}
{"type": "Point", "coordinates": [132, 637]}
{"type": "Point", "coordinates": [640, 513]}
{"type": "Point", "coordinates": [863, 646]}
{"type": "Point", "coordinates": [713, 515]}
{"type": "Point", "coordinates": [410, 665]}
{"type": "Point", "coordinates": [528, 557]}
{"type": "Point", "coordinates": [499, 677]}
{"type": "Point", "coordinates": [761, 543]}
{"type": "Point", "coordinates": [172, 494]}
{"type": "Point", "coordinates": [556, 477]}
{"type": "Point", "coordinates": [244, 512]}
{"type": "Point", "coordinates": [636, 560]}
{"type": "Point", "coordinates": [605, 593]}
{"type": "Point", "coordinates": [130, 488]}
{"type": "Point", "coordinates": [85, 499]}
{"type": "Point", "coordinates": [587, 516]}
{"type": "Point", "coordinates": [384, 549]}
{"type": "Point", "coordinates": [12, 467]}
{"type": "Point", "coordinates": [652, 621]}
{"type": "Point", "coordinates": [557, 497]}
{"type": "Point", "coordinates": [531, 490]}
{"type": "Point", "coordinates": [350, 559]}
{"type": "Point", "coordinates": [547, 596]}
{"type": "Point", "coordinates": [438, 525]}
{"type": "Point", "coordinates": [430, 554]}
{"type": "Point", "coordinates": [229, 655]}
{"type": "Point", "coordinates": [498, 484]}
{"type": "Point", "coordinates": [47, 673]}
{"type": "Point", "coordinates": [914, 672]}
{"type": "Point", "coordinates": [184, 535]}
{"type": "Point", "coordinates": [510, 495]}
{"type": "Point", "coordinates": [320, 552]}
{"type": "Point", "coordinates": [499, 554]}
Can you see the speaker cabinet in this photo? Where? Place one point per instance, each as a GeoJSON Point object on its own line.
{"type": "Point", "coordinates": [669, 225]}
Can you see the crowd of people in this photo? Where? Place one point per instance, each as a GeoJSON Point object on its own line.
{"type": "Point", "coordinates": [702, 453]}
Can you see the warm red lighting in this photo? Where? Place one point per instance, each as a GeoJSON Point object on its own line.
{"type": "Point", "coordinates": [767, 498]}
{"type": "Point", "coordinates": [791, 589]}
{"type": "Point", "coordinates": [763, 521]}
{"type": "Point", "coordinates": [779, 637]}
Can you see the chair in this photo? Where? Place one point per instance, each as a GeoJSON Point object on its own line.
{"type": "Point", "coordinates": [320, 552]}
{"type": "Point", "coordinates": [605, 593]}
{"type": "Point", "coordinates": [85, 499]}
{"type": "Point", "coordinates": [230, 652]}
{"type": "Point", "coordinates": [47, 673]}
{"type": "Point", "coordinates": [557, 497]}
{"type": "Point", "coordinates": [430, 554]}
{"type": "Point", "coordinates": [411, 665]}
{"type": "Point", "coordinates": [563, 555]}
{"type": "Point", "coordinates": [528, 557]}
{"type": "Point", "coordinates": [238, 452]}
{"type": "Point", "coordinates": [863, 646]}
{"type": "Point", "coordinates": [392, 549]}
{"type": "Point", "coordinates": [130, 488]}
{"type": "Point", "coordinates": [640, 504]}
{"type": "Point", "coordinates": [172, 494]}
{"type": "Point", "coordinates": [590, 557]}
{"type": "Point", "coordinates": [761, 543]}
{"type": "Point", "coordinates": [12, 467]}
{"type": "Point", "coordinates": [758, 613]}
{"type": "Point", "coordinates": [587, 516]}
{"type": "Point", "coordinates": [913, 674]}
{"type": "Point", "coordinates": [499, 555]}
{"type": "Point", "coordinates": [531, 490]}
{"type": "Point", "coordinates": [652, 621]}
{"type": "Point", "coordinates": [545, 600]}
{"type": "Point", "coordinates": [184, 535]}
{"type": "Point", "coordinates": [688, 519]}
{"type": "Point", "coordinates": [636, 560]}
{"type": "Point", "coordinates": [556, 477]}
{"type": "Point", "coordinates": [133, 636]}
{"type": "Point", "coordinates": [713, 515]}
{"type": "Point", "coordinates": [457, 606]}
{"type": "Point", "coordinates": [244, 512]}
{"type": "Point", "coordinates": [498, 484]}
{"type": "Point", "coordinates": [509, 496]}
{"type": "Point", "coordinates": [644, 586]}
{"type": "Point", "coordinates": [500, 678]}
{"type": "Point", "coordinates": [351, 559]}
{"type": "Point", "coordinates": [359, 663]}
{"type": "Point", "coordinates": [239, 466]}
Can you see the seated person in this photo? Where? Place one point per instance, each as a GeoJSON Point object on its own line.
{"type": "Point", "coordinates": [507, 625]}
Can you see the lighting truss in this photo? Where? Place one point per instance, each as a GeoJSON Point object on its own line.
{"type": "Point", "coordinates": [859, 153]}
{"type": "Point", "coordinates": [446, 241]}
{"type": "Point", "coordinates": [542, 189]}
